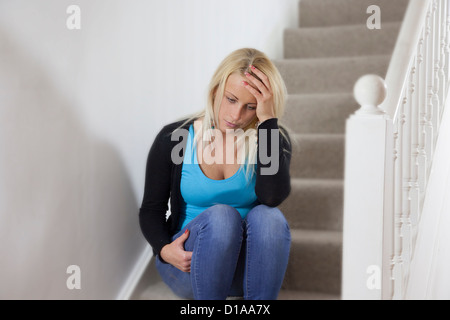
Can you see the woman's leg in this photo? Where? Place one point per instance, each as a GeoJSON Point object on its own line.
{"type": "Point", "coordinates": [215, 239]}
{"type": "Point", "coordinates": [267, 252]}
{"type": "Point", "coordinates": [178, 281]}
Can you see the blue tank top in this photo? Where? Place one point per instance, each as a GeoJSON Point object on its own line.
{"type": "Point", "coordinates": [200, 192]}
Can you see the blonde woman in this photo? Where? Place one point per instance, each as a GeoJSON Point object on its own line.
{"type": "Point", "coordinates": [224, 171]}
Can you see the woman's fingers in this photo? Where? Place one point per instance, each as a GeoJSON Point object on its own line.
{"type": "Point", "coordinates": [262, 91]}
{"type": "Point", "coordinates": [186, 263]}
{"type": "Point", "coordinates": [252, 90]}
{"type": "Point", "coordinates": [175, 254]}
{"type": "Point", "coordinates": [183, 260]}
{"type": "Point", "coordinates": [183, 237]}
{"type": "Point", "coordinates": [262, 76]}
{"type": "Point", "coordinates": [188, 256]}
{"type": "Point", "coordinates": [258, 84]}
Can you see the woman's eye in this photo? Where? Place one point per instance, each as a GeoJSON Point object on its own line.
{"type": "Point", "coordinates": [251, 108]}
{"type": "Point", "coordinates": [231, 100]}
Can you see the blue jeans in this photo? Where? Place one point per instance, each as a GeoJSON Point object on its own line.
{"type": "Point", "coordinates": [232, 256]}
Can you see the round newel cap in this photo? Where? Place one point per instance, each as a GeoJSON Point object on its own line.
{"type": "Point", "coordinates": [370, 92]}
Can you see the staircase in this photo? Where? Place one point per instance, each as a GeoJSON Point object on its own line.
{"type": "Point", "coordinates": [324, 57]}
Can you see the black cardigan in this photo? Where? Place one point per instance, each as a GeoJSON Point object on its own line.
{"type": "Point", "coordinates": [163, 176]}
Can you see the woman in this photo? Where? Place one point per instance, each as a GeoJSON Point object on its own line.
{"type": "Point", "coordinates": [224, 236]}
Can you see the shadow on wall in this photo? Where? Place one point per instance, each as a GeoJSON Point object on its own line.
{"type": "Point", "coordinates": [65, 196]}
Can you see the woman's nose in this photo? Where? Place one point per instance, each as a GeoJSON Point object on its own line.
{"type": "Point", "coordinates": [236, 113]}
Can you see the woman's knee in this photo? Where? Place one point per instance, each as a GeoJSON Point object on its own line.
{"type": "Point", "coordinates": [223, 219]}
{"type": "Point", "coordinates": [270, 220]}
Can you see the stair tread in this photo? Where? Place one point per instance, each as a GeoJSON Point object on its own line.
{"type": "Point", "coordinates": [317, 181]}
{"type": "Point", "coordinates": [318, 136]}
{"type": "Point", "coordinates": [344, 27]}
{"type": "Point", "coordinates": [318, 95]}
{"type": "Point", "coordinates": [333, 58]}
{"type": "Point", "coordinates": [322, 59]}
{"type": "Point", "coordinates": [336, 74]}
{"type": "Point", "coordinates": [315, 261]}
{"type": "Point", "coordinates": [316, 236]}
{"type": "Point", "coordinates": [305, 295]}
{"type": "Point", "coordinates": [314, 99]}
{"type": "Point", "coordinates": [160, 291]}
{"type": "Point", "coordinates": [348, 40]}
{"type": "Point", "coordinates": [318, 155]}
{"type": "Point", "coordinates": [319, 113]}
{"type": "Point", "coordinates": [314, 204]}
{"type": "Point", "coordinates": [348, 12]}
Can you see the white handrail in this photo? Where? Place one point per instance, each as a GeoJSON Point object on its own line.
{"type": "Point", "coordinates": [404, 51]}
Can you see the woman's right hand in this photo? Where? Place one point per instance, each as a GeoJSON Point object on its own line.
{"type": "Point", "coordinates": [175, 254]}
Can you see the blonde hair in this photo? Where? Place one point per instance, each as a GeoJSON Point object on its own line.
{"type": "Point", "coordinates": [239, 62]}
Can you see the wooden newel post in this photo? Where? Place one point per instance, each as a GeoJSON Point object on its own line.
{"type": "Point", "coordinates": [367, 211]}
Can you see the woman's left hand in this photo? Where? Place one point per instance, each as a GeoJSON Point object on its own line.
{"type": "Point", "coordinates": [263, 94]}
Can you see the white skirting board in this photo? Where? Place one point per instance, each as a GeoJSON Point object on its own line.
{"type": "Point", "coordinates": [136, 274]}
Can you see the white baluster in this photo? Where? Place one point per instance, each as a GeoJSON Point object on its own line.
{"type": "Point", "coordinates": [422, 158]}
{"type": "Point", "coordinates": [406, 185]}
{"type": "Point", "coordinates": [447, 47]}
{"type": "Point", "coordinates": [443, 44]}
{"type": "Point", "coordinates": [429, 136]}
{"type": "Point", "coordinates": [436, 56]}
{"type": "Point", "coordinates": [398, 197]}
{"type": "Point", "coordinates": [414, 169]}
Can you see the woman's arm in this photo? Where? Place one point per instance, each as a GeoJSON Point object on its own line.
{"type": "Point", "coordinates": [152, 214]}
{"type": "Point", "coordinates": [273, 182]}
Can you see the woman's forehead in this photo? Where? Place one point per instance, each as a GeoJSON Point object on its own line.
{"type": "Point", "coordinates": [234, 85]}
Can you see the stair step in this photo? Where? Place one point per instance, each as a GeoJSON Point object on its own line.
{"type": "Point", "coordinates": [303, 295]}
{"type": "Point", "coordinates": [340, 41]}
{"type": "Point", "coordinates": [315, 204]}
{"type": "Point", "coordinates": [313, 13]}
{"type": "Point", "coordinates": [160, 291]}
{"type": "Point", "coordinates": [156, 289]}
{"type": "Point", "coordinates": [315, 261]}
{"type": "Point", "coordinates": [329, 75]}
{"type": "Point", "coordinates": [319, 113]}
{"type": "Point", "coordinates": [318, 156]}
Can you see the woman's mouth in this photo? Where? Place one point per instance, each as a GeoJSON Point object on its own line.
{"type": "Point", "coordinates": [231, 125]}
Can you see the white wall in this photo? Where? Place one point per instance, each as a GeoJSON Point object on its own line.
{"type": "Point", "coordinates": [78, 112]}
{"type": "Point", "coordinates": [429, 276]}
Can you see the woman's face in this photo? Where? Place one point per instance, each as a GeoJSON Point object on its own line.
{"type": "Point", "coordinates": [238, 106]}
